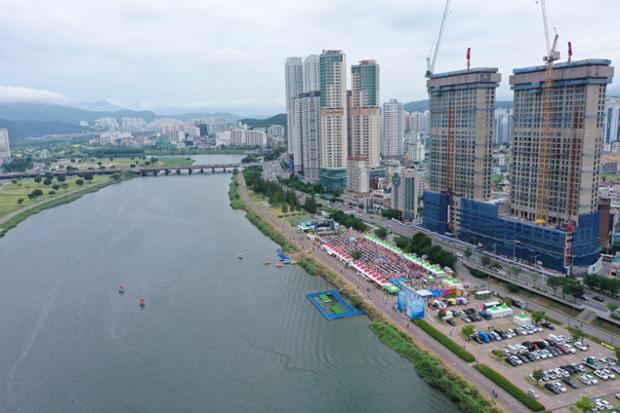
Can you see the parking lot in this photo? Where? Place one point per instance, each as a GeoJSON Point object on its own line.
{"type": "Point", "coordinates": [544, 349]}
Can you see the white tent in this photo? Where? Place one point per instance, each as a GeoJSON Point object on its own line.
{"type": "Point", "coordinates": [522, 319]}
{"type": "Point", "coordinates": [499, 311]}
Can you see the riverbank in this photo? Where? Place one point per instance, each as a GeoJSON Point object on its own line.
{"type": "Point", "coordinates": [430, 362]}
{"type": "Point", "coordinates": [12, 219]}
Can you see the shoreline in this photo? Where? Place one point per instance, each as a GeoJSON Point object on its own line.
{"type": "Point", "coordinates": [13, 219]}
{"type": "Point", "coordinates": [430, 366]}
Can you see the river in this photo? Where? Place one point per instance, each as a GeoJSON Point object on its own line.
{"type": "Point", "coordinates": [218, 334]}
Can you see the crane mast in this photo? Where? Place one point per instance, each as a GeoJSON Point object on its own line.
{"type": "Point", "coordinates": [547, 98]}
{"type": "Point", "coordinates": [430, 63]}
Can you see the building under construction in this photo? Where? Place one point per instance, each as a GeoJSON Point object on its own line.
{"type": "Point", "coordinates": [462, 104]}
{"type": "Point", "coordinates": [551, 217]}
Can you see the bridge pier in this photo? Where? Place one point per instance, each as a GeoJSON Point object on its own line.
{"type": "Point", "coordinates": [212, 170]}
{"type": "Point", "coordinates": [202, 170]}
{"type": "Point", "coordinates": [167, 171]}
{"type": "Point", "coordinates": [179, 171]}
{"type": "Point", "coordinates": [190, 171]}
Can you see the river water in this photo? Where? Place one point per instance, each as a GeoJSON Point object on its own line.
{"type": "Point", "coordinates": [218, 334]}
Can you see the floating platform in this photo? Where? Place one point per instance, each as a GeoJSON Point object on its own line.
{"type": "Point", "coordinates": [332, 305]}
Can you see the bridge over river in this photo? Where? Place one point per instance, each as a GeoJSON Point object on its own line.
{"type": "Point", "coordinates": [143, 171]}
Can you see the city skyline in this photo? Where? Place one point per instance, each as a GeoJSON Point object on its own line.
{"type": "Point", "coordinates": [137, 65]}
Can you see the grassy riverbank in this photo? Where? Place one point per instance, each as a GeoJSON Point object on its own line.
{"type": "Point", "coordinates": [54, 201]}
{"type": "Point", "coordinates": [430, 369]}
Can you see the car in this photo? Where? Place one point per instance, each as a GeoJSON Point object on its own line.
{"type": "Point", "coordinates": [559, 385]}
{"type": "Point", "coordinates": [535, 394]}
{"type": "Point", "coordinates": [581, 346]}
{"type": "Point", "coordinates": [598, 298]}
{"type": "Point", "coordinates": [601, 374]}
{"type": "Point", "coordinates": [552, 388]}
{"type": "Point", "coordinates": [572, 383]}
{"type": "Point", "coordinates": [592, 379]}
{"type": "Point", "coordinates": [451, 322]}
{"type": "Point", "coordinates": [617, 396]}
{"type": "Point", "coordinates": [609, 374]}
{"type": "Point", "coordinates": [585, 380]}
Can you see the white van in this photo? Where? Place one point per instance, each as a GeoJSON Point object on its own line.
{"type": "Point", "coordinates": [533, 393]}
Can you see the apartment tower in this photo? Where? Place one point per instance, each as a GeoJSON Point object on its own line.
{"type": "Point", "coordinates": [365, 112]}
{"type": "Point", "coordinates": [333, 99]}
{"type": "Point", "coordinates": [574, 141]}
{"type": "Point", "coordinates": [308, 120]}
{"type": "Point", "coordinates": [393, 139]}
{"type": "Point", "coordinates": [294, 86]}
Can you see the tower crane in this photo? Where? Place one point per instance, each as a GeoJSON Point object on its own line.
{"type": "Point", "coordinates": [547, 96]}
{"type": "Point", "coordinates": [430, 64]}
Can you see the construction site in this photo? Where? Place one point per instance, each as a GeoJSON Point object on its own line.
{"type": "Point", "coordinates": [550, 216]}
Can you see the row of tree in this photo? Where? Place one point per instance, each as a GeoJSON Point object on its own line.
{"type": "Point", "coordinates": [349, 221]}
{"type": "Point", "coordinates": [599, 282]}
{"type": "Point", "coordinates": [421, 244]}
{"type": "Point", "coordinates": [277, 196]}
{"type": "Point", "coordinates": [568, 285]}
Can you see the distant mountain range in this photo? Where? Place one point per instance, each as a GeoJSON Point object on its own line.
{"type": "Point", "coordinates": [279, 119]}
{"type": "Point", "coordinates": [422, 105]}
{"type": "Point", "coordinates": [19, 129]}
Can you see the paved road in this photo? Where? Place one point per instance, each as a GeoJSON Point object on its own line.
{"type": "Point", "coordinates": [385, 304]}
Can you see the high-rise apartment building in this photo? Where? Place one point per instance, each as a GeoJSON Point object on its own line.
{"type": "Point", "coordinates": [308, 120]}
{"type": "Point", "coordinates": [333, 99]}
{"type": "Point", "coordinates": [612, 119]}
{"type": "Point", "coordinates": [408, 185]}
{"type": "Point", "coordinates": [502, 126]}
{"type": "Point", "coordinates": [365, 115]}
{"type": "Point", "coordinates": [393, 139]}
{"type": "Point", "coordinates": [574, 140]}
{"type": "Point", "coordinates": [312, 78]}
{"type": "Point", "coordinates": [294, 86]}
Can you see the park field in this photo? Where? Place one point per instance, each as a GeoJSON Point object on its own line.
{"type": "Point", "coordinates": [12, 191]}
{"type": "Point", "coordinates": [122, 163]}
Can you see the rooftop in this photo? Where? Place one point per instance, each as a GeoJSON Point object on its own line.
{"type": "Point", "coordinates": [464, 72]}
{"type": "Point", "coordinates": [562, 65]}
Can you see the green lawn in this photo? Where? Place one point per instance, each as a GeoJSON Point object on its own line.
{"type": "Point", "coordinates": [298, 219]}
{"type": "Point", "coordinates": [120, 163]}
{"type": "Point", "coordinates": [10, 192]}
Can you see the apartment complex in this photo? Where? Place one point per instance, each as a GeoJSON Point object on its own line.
{"type": "Point", "coordinates": [333, 100]}
{"type": "Point", "coordinates": [357, 175]}
{"type": "Point", "coordinates": [308, 120]}
{"type": "Point", "coordinates": [393, 139]}
{"type": "Point", "coordinates": [408, 186]}
{"type": "Point", "coordinates": [365, 116]}
{"type": "Point", "coordinates": [294, 85]}
{"type": "Point", "coordinates": [612, 119]}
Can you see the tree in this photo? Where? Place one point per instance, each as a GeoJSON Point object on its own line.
{"type": "Point", "coordinates": [578, 334]}
{"type": "Point", "coordinates": [486, 261]}
{"type": "Point", "coordinates": [47, 181]}
{"type": "Point", "coordinates": [612, 307]}
{"type": "Point", "coordinates": [310, 204]}
{"type": "Point", "coordinates": [554, 282]}
{"type": "Point", "coordinates": [284, 207]}
{"type": "Point", "coordinates": [468, 252]}
{"type": "Point", "coordinates": [381, 233]}
{"type": "Point", "coordinates": [538, 374]}
{"type": "Point", "coordinates": [538, 316]}
{"type": "Point", "coordinates": [514, 270]}
{"type": "Point", "coordinates": [468, 330]}
{"type": "Point", "coordinates": [442, 313]}
{"type": "Point", "coordinates": [55, 187]}
{"type": "Point", "coordinates": [61, 178]}
{"type": "Point", "coordinates": [356, 255]}
{"type": "Point", "coordinates": [585, 404]}
{"type": "Point", "coordinates": [20, 201]}
{"type": "Point", "coordinates": [37, 179]}
{"type": "Point", "coordinates": [65, 186]}
{"type": "Point", "coordinates": [79, 182]}
{"type": "Point", "coordinates": [35, 194]}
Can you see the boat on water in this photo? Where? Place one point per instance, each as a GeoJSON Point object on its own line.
{"type": "Point", "coordinates": [121, 289]}
{"type": "Point", "coordinates": [240, 256]}
{"type": "Point", "coordinates": [279, 265]}
{"type": "Point", "coordinates": [293, 262]}
{"type": "Point", "coordinates": [142, 304]}
{"type": "Point", "coordinates": [266, 262]}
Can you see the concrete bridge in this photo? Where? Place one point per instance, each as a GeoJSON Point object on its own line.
{"type": "Point", "coordinates": [154, 171]}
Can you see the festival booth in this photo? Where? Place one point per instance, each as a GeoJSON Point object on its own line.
{"type": "Point", "coordinates": [411, 304]}
{"type": "Point", "coordinates": [498, 311]}
{"type": "Point", "coordinates": [337, 252]}
{"type": "Point", "coordinates": [522, 319]}
{"type": "Point", "coordinates": [371, 275]}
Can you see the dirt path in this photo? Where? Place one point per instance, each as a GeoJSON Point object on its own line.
{"type": "Point", "coordinates": [385, 304]}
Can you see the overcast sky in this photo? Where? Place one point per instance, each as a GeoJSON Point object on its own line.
{"type": "Point", "coordinates": [229, 54]}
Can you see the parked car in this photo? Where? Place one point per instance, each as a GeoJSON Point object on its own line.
{"type": "Point", "coordinates": [451, 322]}
{"type": "Point", "coordinates": [581, 346]}
{"type": "Point", "coordinates": [601, 374]}
{"type": "Point", "coordinates": [598, 298]}
{"type": "Point", "coordinates": [572, 383]}
{"type": "Point", "coordinates": [536, 395]}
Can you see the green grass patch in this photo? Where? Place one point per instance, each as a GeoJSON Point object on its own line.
{"type": "Point", "coordinates": [233, 194]}
{"type": "Point", "coordinates": [445, 340]}
{"type": "Point", "coordinates": [56, 201]}
{"type": "Point", "coordinates": [528, 401]}
{"type": "Point", "coordinates": [298, 219]}
{"type": "Point", "coordinates": [466, 396]}
{"type": "Point", "coordinates": [266, 228]}
{"type": "Point", "coordinates": [175, 161]}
